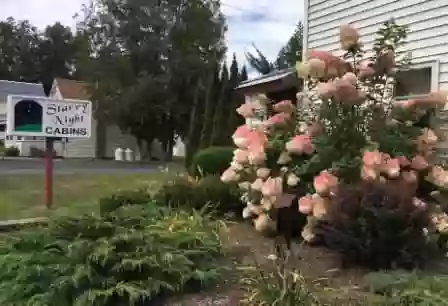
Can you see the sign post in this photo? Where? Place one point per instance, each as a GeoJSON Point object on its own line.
{"type": "Point", "coordinates": [49, 172]}
{"type": "Point", "coordinates": [53, 119]}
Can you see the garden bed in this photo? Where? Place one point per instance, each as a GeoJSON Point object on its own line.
{"type": "Point", "coordinates": [319, 266]}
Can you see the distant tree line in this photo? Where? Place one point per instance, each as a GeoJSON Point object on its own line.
{"type": "Point", "coordinates": [157, 69]}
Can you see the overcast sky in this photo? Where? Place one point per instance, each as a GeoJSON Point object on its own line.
{"type": "Point", "coordinates": [249, 21]}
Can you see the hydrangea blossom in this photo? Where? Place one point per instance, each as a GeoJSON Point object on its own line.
{"type": "Point", "coordinates": [340, 130]}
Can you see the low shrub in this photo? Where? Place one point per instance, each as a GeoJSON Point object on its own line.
{"type": "Point", "coordinates": [377, 225]}
{"type": "Point", "coordinates": [224, 198]}
{"type": "Point", "coordinates": [180, 192]}
{"type": "Point", "coordinates": [133, 256]}
{"type": "Point", "coordinates": [402, 288]}
{"type": "Point", "coordinates": [210, 191]}
{"type": "Point", "coordinates": [122, 198]}
{"type": "Point", "coordinates": [11, 151]}
{"type": "Point", "coordinates": [211, 161]}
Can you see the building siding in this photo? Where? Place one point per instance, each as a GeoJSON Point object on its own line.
{"type": "Point", "coordinates": [115, 138]}
{"type": "Point", "coordinates": [427, 20]}
{"type": "Point", "coordinates": [82, 147]}
{"type": "Point", "coordinates": [78, 148]}
{"type": "Point", "coordinates": [427, 39]}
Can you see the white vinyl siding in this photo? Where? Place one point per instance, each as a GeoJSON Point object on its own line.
{"type": "Point", "coordinates": [427, 20]}
{"type": "Point", "coordinates": [115, 138]}
{"type": "Point", "coordinates": [77, 148]}
{"type": "Point", "coordinates": [82, 147]}
{"type": "Point", "coordinates": [427, 39]}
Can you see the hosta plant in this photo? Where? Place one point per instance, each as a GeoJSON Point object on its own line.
{"type": "Point", "coordinates": [346, 127]}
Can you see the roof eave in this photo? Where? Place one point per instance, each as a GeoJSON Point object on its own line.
{"type": "Point", "coordinates": [266, 79]}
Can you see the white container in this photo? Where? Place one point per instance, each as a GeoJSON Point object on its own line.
{"type": "Point", "coordinates": [138, 156]}
{"type": "Point", "coordinates": [119, 154]}
{"type": "Point", "coordinates": [179, 148]}
{"type": "Point", "coordinates": [129, 154]}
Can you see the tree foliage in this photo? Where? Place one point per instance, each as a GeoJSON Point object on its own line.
{"type": "Point", "coordinates": [286, 58]}
{"type": "Point", "coordinates": [31, 55]}
{"type": "Point", "coordinates": [259, 61]}
{"type": "Point", "coordinates": [292, 51]}
{"type": "Point", "coordinates": [156, 69]}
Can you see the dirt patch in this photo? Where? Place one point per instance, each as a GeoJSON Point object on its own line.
{"type": "Point", "coordinates": [246, 248]}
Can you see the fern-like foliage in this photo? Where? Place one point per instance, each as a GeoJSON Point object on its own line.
{"type": "Point", "coordinates": [128, 257]}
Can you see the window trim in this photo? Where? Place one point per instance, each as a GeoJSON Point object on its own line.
{"type": "Point", "coordinates": [435, 73]}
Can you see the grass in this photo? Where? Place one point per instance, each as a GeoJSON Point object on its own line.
{"type": "Point", "coordinates": [23, 196]}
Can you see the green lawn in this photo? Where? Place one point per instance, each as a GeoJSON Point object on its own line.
{"type": "Point", "coordinates": [22, 196]}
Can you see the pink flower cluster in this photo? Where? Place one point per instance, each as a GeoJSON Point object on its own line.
{"type": "Point", "coordinates": [341, 90]}
{"type": "Point", "coordinates": [376, 164]}
{"type": "Point", "coordinates": [300, 144]}
{"type": "Point", "coordinates": [247, 109]}
{"type": "Point", "coordinates": [284, 106]}
{"type": "Point", "coordinates": [253, 141]}
{"type": "Point", "coordinates": [440, 222]}
{"type": "Point", "coordinates": [321, 64]}
{"type": "Point", "coordinates": [439, 177]}
{"type": "Point", "coordinates": [284, 111]}
{"type": "Point", "coordinates": [433, 100]}
{"type": "Point", "coordinates": [325, 183]}
{"type": "Point", "coordinates": [349, 37]}
{"type": "Point", "coordinates": [314, 205]}
{"type": "Point", "coordinates": [272, 187]}
{"type": "Point", "coordinates": [278, 120]}
{"type": "Point", "coordinates": [426, 141]}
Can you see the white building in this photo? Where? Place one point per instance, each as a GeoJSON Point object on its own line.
{"type": "Point", "coordinates": [104, 139]}
{"type": "Point", "coordinates": [427, 39]}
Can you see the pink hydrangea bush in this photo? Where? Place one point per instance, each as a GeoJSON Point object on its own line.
{"type": "Point", "coordinates": [346, 127]}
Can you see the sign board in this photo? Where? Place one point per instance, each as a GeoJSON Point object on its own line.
{"type": "Point", "coordinates": [44, 117]}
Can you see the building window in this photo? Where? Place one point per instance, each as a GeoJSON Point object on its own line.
{"type": "Point", "coordinates": [413, 82]}
{"type": "Point", "coordinates": [2, 127]}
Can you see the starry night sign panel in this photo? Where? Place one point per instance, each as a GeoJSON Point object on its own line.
{"type": "Point", "coordinates": [36, 116]}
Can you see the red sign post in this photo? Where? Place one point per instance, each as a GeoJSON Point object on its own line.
{"type": "Point", "coordinates": [53, 119]}
{"type": "Point", "coordinates": [49, 172]}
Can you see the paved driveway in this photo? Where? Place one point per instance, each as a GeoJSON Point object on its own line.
{"type": "Point", "coordinates": [27, 166]}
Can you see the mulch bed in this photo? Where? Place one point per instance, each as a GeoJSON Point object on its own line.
{"type": "Point", "coordinates": [245, 247]}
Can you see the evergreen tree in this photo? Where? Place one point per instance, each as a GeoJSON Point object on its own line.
{"type": "Point", "coordinates": [243, 74]}
{"type": "Point", "coordinates": [219, 115]}
{"type": "Point", "coordinates": [234, 101]}
{"type": "Point", "coordinates": [286, 58]}
{"type": "Point", "coordinates": [212, 93]}
{"type": "Point", "coordinates": [292, 51]}
{"type": "Point", "coordinates": [259, 61]}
